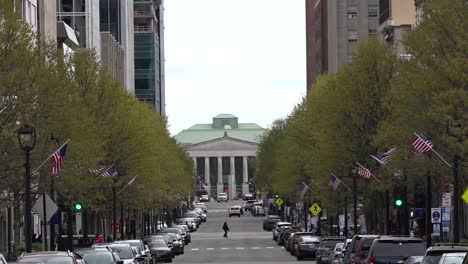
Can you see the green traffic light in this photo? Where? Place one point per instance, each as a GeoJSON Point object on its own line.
{"type": "Point", "coordinates": [398, 202]}
{"type": "Point", "coordinates": [78, 207]}
{"type": "Point", "coordinates": [276, 196]}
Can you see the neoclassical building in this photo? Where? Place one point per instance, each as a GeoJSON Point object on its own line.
{"type": "Point", "coordinates": [221, 152]}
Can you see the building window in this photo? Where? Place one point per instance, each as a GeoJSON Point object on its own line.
{"type": "Point", "coordinates": [352, 12]}
{"type": "Point", "coordinates": [352, 36]}
{"type": "Point", "coordinates": [372, 32]}
{"type": "Point", "coordinates": [373, 11]}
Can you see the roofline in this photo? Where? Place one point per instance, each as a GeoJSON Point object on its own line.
{"type": "Point", "coordinates": [215, 139]}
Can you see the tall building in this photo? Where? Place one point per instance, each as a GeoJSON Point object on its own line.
{"type": "Point", "coordinates": [107, 27]}
{"type": "Point", "coordinates": [333, 29]}
{"type": "Point", "coordinates": [396, 17]}
{"type": "Point", "coordinates": [149, 53]}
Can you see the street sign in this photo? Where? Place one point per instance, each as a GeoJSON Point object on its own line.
{"type": "Point", "coordinates": [465, 196]}
{"type": "Point", "coordinates": [315, 209]}
{"type": "Point", "coordinates": [51, 207]}
{"type": "Point", "coordinates": [435, 215]}
{"type": "Point", "coordinates": [279, 201]}
{"type": "Point", "coordinates": [417, 213]}
{"type": "Point", "coordinates": [446, 199]}
{"type": "Point", "coordinates": [436, 230]}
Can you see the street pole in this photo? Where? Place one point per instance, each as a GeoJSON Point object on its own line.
{"type": "Point", "coordinates": [27, 204]}
{"type": "Point", "coordinates": [345, 230]}
{"type": "Point", "coordinates": [44, 211]}
{"type": "Point", "coordinates": [9, 235]}
{"type": "Point", "coordinates": [405, 207]}
{"type": "Point", "coordinates": [456, 199]}
{"type": "Point", "coordinates": [114, 212]}
{"type": "Point", "coordinates": [428, 210]}
{"type": "Point", "coordinates": [121, 220]}
{"type": "Point", "coordinates": [387, 212]}
{"type": "Point", "coordinates": [52, 221]}
{"type": "Point", "coordinates": [355, 204]}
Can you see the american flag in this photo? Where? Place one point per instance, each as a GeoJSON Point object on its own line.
{"type": "Point", "coordinates": [364, 173]}
{"type": "Point", "coordinates": [111, 171]}
{"type": "Point", "coordinates": [421, 144]}
{"type": "Point", "coordinates": [96, 171]}
{"type": "Point", "coordinates": [383, 158]}
{"type": "Point", "coordinates": [58, 157]}
{"type": "Point", "coordinates": [334, 183]}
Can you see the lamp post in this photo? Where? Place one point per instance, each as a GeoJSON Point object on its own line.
{"type": "Point", "coordinates": [27, 140]}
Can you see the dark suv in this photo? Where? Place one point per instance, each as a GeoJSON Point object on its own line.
{"type": "Point", "coordinates": [433, 254]}
{"type": "Point", "coordinates": [388, 249]}
{"type": "Point", "coordinates": [326, 247]}
{"type": "Point", "coordinates": [270, 221]}
{"type": "Point", "coordinates": [350, 256]}
{"type": "Point", "coordinates": [65, 257]}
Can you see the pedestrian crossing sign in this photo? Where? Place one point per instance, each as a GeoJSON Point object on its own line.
{"type": "Point", "coordinates": [279, 201]}
{"type": "Point", "coordinates": [465, 196]}
{"type": "Point", "coordinates": [315, 209]}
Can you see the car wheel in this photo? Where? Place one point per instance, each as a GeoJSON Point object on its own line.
{"type": "Point", "coordinates": [299, 258]}
{"type": "Point", "coordinates": [239, 215]}
{"type": "Point", "coordinates": [317, 261]}
{"type": "Point", "coordinates": [229, 215]}
{"type": "Point", "coordinates": [170, 260]}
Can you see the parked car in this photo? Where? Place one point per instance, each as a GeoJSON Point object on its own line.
{"type": "Point", "coordinates": [336, 256]}
{"type": "Point", "coordinates": [2, 259]}
{"type": "Point", "coordinates": [138, 243]}
{"type": "Point", "coordinates": [124, 251]}
{"type": "Point", "coordinates": [270, 221]}
{"type": "Point", "coordinates": [248, 205]}
{"type": "Point", "coordinates": [259, 210]}
{"type": "Point", "coordinates": [188, 236]}
{"type": "Point", "coordinates": [65, 257]}
{"type": "Point", "coordinates": [326, 246]}
{"type": "Point", "coordinates": [293, 240]}
{"type": "Point", "coordinates": [174, 236]}
{"type": "Point", "coordinates": [190, 222]}
{"type": "Point", "coordinates": [286, 233]}
{"type": "Point", "coordinates": [277, 228]}
{"type": "Point", "coordinates": [222, 197]}
{"type": "Point", "coordinates": [414, 260]}
{"type": "Point", "coordinates": [248, 196]}
{"type": "Point", "coordinates": [362, 249]}
{"type": "Point", "coordinates": [160, 251]}
{"type": "Point", "coordinates": [452, 258]}
{"type": "Point", "coordinates": [434, 253]}
{"type": "Point", "coordinates": [102, 255]}
{"type": "Point", "coordinates": [350, 255]}
{"type": "Point", "coordinates": [389, 249]}
{"type": "Point", "coordinates": [307, 247]}
{"type": "Point", "coordinates": [234, 210]}
{"type": "Point", "coordinates": [202, 206]}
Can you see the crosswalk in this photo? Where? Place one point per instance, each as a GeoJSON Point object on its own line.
{"type": "Point", "coordinates": [231, 248]}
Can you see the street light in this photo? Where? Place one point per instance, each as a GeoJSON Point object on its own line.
{"type": "Point", "coordinates": [27, 140]}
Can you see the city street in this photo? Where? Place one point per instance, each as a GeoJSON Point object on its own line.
{"type": "Point", "coordinates": [247, 241]}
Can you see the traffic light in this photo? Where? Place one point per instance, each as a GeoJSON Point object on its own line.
{"type": "Point", "coordinates": [398, 202]}
{"type": "Point", "coordinates": [78, 207]}
{"type": "Point", "coordinates": [276, 196]}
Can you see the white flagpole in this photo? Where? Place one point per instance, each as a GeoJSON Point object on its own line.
{"type": "Point", "coordinates": [126, 185]}
{"type": "Point", "coordinates": [42, 164]}
{"type": "Point", "coordinates": [342, 183]}
{"type": "Point", "coordinates": [433, 150]}
{"type": "Point", "coordinates": [366, 169]}
{"type": "Point", "coordinates": [306, 186]}
{"type": "Point", "coordinates": [374, 157]}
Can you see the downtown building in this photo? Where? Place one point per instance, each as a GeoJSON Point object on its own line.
{"type": "Point", "coordinates": [333, 28]}
{"type": "Point", "coordinates": [149, 53]}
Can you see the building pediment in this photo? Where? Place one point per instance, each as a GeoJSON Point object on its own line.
{"type": "Point", "coordinates": [223, 144]}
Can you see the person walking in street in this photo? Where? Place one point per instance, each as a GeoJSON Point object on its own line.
{"type": "Point", "coordinates": [226, 229]}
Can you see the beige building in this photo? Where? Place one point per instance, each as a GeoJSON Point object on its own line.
{"type": "Point", "coordinates": [396, 18]}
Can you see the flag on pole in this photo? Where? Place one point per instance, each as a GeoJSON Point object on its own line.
{"type": "Point", "coordinates": [364, 173]}
{"type": "Point", "coordinates": [421, 144]}
{"type": "Point", "coordinates": [111, 171]}
{"type": "Point", "coordinates": [96, 171]}
{"type": "Point", "coordinates": [58, 157]}
{"type": "Point", "coordinates": [304, 190]}
{"type": "Point", "coordinates": [384, 157]}
{"type": "Point", "coordinates": [334, 183]}
{"type": "Point", "coordinates": [132, 181]}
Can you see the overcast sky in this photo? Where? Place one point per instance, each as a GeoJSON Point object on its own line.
{"type": "Point", "coordinates": [242, 57]}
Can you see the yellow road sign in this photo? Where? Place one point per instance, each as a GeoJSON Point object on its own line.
{"type": "Point", "coordinates": [279, 201]}
{"type": "Point", "coordinates": [315, 209]}
{"type": "Point", "coordinates": [465, 196]}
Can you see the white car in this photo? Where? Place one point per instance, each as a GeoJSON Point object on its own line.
{"type": "Point", "coordinates": [204, 198]}
{"type": "Point", "coordinates": [222, 197]}
{"type": "Point", "coordinates": [235, 210]}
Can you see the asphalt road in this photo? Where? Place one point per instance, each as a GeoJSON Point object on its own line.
{"type": "Point", "coordinates": [246, 243]}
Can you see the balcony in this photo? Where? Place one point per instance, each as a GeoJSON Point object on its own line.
{"type": "Point", "coordinates": [143, 28]}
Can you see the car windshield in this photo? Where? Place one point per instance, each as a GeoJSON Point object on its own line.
{"type": "Point", "coordinates": [131, 243]}
{"type": "Point", "coordinates": [47, 259]}
{"type": "Point", "coordinates": [367, 244]}
{"type": "Point", "coordinates": [458, 259]}
{"type": "Point", "coordinates": [399, 248]}
{"type": "Point", "coordinates": [123, 252]}
{"type": "Point", "coordinates": [96, 256]}
{"type": "Point", "coordinates": [330, 243]}
{"type": "Point", "coordinates": [157, 243]}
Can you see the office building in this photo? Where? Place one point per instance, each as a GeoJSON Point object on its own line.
{"type": "Point", "coordinates": [396, 17]}
{"type": "Point", "coordinates": [333, 29]}
{"type": "Point", "coordinates": [149, 53]}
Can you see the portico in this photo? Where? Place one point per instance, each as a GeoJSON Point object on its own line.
{"type": "Point", "coordinates": [221, 153]}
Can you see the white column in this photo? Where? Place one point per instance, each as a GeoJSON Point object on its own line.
{"type": "Point", "coordinates": [207, 174]}
{"type": "Point", "coordinates": [245, 175]}
{"type": "Point", "coordinates": [220, 175]}
{"type": "Point", "coordinates": [232, 179]}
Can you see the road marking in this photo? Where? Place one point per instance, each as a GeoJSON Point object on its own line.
{"type": "Point", "coordinates": [239, 248]}
{"type": "Point", "coordinates": [195, 249]}
{"type": "Point", "coordinates": [269, 247]}
{"type": "Point", "coordinates": [224, 248]}
{"type": "Point", "coordinates": [209, 248]}
{"type": "Point", "coordinates": [254, 247]}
